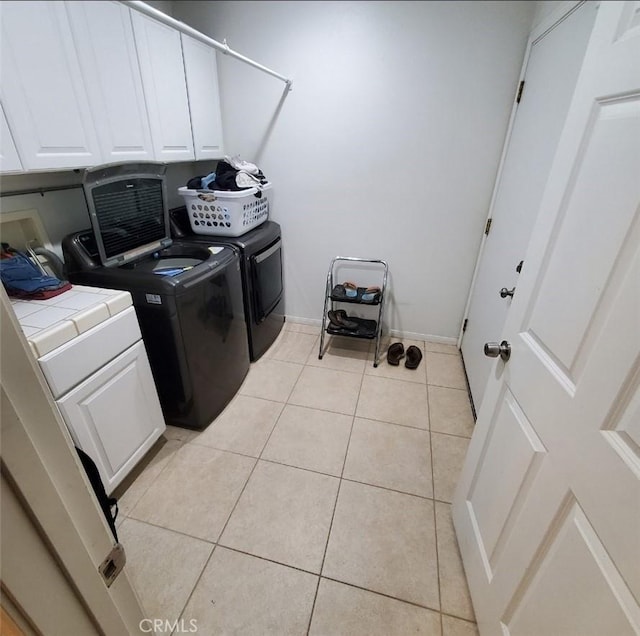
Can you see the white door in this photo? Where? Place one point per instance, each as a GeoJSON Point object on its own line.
{"type": "Point", "coordinates": [165, 90]}
{"type": "Point", "coordinates": [103, 36]}
{"type": "Point", "coordinates": [33, 578]}
{"type": "Point", "coordinates": [9, 159]}
{"type": "Point", "coordinates": [204, 98]}
{"type": "Point", "coordinates": [551, 73]}
{"type": "Point", "coordinates": [114, 416]}
{"type": "Point", "coordinates": [547, 510]}
{"type": "Point", "coordinates": [42, 91]}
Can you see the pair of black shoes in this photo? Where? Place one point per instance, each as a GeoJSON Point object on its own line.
{"type": "Point", "coordinates": [396, 352]}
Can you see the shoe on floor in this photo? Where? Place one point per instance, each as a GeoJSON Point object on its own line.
{"type": "Point", "coordinates": [395, 353]}
{"type": "Point", "coordinates": [414, 356]}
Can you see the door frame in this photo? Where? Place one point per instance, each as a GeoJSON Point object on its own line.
{"type": "Point", "coordinates": [558, 15]}
{"type": "Point", "coordinates": [39, 460]}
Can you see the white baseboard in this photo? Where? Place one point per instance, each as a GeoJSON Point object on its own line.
{"type": "Point", "coordinates": [409, 335]}
{"type": "Point", "coordinates": [304, 321]}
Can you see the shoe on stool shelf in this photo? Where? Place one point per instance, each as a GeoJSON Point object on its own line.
{"type": "Point", "coordinates": [414, 356]}
{"type": "Point", "coordinates": [346, 290]}
{"type": "Point", "coordinates": [371, 294]}
{"type": "Point", "coordinates": [395, 353]}
{"type": "Point", "coordinates": [340, 319]}
{"type": "Point", "coordinates": [350, 289]}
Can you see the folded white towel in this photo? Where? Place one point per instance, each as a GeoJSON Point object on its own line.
{"type": "Point", "coordinates": [245, 166]}
{"type": "Point", "coordinates": [246, 180]}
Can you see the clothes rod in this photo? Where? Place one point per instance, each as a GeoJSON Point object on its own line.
{"type": "Point", "coordinates": [40, 191]}
{"type": "Point", "coordinates": [184, 28]}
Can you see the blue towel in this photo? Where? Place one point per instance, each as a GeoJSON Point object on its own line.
{"type": "Point", "coordinates": [18, 272]}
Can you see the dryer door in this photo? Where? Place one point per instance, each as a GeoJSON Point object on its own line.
{"type": "Point", "coordinates": [266, 274]}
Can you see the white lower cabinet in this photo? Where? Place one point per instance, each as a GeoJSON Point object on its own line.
{"type": "Point", "coordinates": [114, 415]}
{"type": "Point", "coordinates": [102, 383]}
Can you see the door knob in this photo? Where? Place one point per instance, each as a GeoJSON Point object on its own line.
{"type": "Point", "coordinates": [493, 350]}
{"type": "Point", "coordinates": [504, 292]}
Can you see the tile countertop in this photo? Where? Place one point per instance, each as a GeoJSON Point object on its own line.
{"type": "Point", "coordinates": [48, 324]}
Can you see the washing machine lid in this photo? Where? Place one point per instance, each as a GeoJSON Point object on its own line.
{"type": "Point", "coordinates": [128, 210]}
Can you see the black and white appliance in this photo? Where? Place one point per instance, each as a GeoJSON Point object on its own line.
{"type": "Point", "coordinates": [261, 264]}
{"type": "Point", "coordinates": [187, 295]}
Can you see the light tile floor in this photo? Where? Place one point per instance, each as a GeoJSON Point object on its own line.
{"type": "Point", "coordinates": [317, 503]}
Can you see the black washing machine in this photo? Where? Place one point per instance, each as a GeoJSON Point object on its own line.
{"type": "Point", "coordinates": [187, 295]}
{"type": "Point", "coordinates": [261, 264]}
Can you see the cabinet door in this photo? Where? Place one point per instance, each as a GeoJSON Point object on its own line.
{"type": "Point", "coordinates": [103, 36]}
{"type": "Point", "coordinates": [204, 98]}
{"type": "Point", "coordinates": [114, 415]}
{"type": "Point", "coordinates": [165, 90]}
{"type": "Point", "coordinates": [9, 159]}
{"type": "Point", "coordinates": [42, 90]}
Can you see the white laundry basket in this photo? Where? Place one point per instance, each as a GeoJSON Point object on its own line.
{"type": "Point", "coordinates": [222, 213]}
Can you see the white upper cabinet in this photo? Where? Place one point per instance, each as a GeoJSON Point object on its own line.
{"type": "Point", "coordinates": [163, 78]}
{"type": "Point", "coordinates": [204, 99]}
{"type": "Point", "coordinates": [106, 48]}
{"type": "Point", "coordinates": [42, 91]}
{"type": "Point", "coordinates": [9, 159]}
{"type": "Point", "coordinates": [85, 83]}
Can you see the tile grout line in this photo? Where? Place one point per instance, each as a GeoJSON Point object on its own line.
{"type": "Point", "coordinates": [180, 532]}
{"type": "Point", "coordinates": [335, 506]}
{"type": "Point", "coordinates": [259, 456]}
{"type": "Point", "coordinates": [308, 470]}
{"type": "Point", "coordinates": [353, 481]}
{"type": "Point", "coordinates": [386, 488]}
{"type": "Point", "coordinates": [319, 472]}
{"type": "Point", "coordinates": [194, 440]}
{"type": "Point", "coordinates": [460, 618]}
{"type": "Point", "coordinates": [295, 384]}
{"type": "Point", "coordinates": [267, 559]}
{"type": "Point", "coordinates": [195, 585]}
{"type": "Point", "coordinates": [146, 490]}
{"type": "Point", "coordinates": [435, 525]}
{"type": "Point", "coordinates": [290, 391]}
{"type": "Point", "coordinates": [452, 435]}
{"type": "Point", "coordinates": [393, 598]}
{"type": "Point", "coordinates": [257, 460]}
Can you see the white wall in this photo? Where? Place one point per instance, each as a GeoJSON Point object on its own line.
{"type": "Point", "coordinates": [388, 145]}
{"type": "Point", "coordinates": [544, 8]}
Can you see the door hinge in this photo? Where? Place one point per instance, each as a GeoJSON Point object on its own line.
{"type": "Point", "coordinates": [113, 564]}
{"type": "Point", "coordinates": [519, 93]}
{"type": "Point", "coordinates": [487, 227]}
{"type": "Point", "coordinates": [464, 325]}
